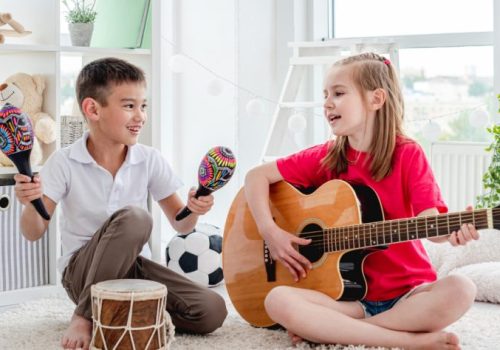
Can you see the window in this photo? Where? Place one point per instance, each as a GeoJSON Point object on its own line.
{"type": "Point", "coordinates": [445, 60]}
{"type": "Point", "coordinates": [449, 87]}
{"type": "Point", "coordinates": [363, 18]}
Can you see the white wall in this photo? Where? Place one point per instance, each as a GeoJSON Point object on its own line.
{"type": "Point", "coordinates": [264, 30]}
{"type": "Point", "coordinates": [205, 32]}
{"type": "Point", "coordinates": [243, 41]}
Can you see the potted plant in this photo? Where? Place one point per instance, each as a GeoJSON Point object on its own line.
{"type": "Point", "coordinates": [80, 16]}
{"type": "Point", "coordinates": [491, 179]}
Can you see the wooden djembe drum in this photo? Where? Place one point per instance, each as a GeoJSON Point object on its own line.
{"type": "Point", "coordinates": [130, 314]}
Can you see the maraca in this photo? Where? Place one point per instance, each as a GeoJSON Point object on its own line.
{"type": "Point", "coordinates": [16, 141]}
{"type": "Point", "coordinates": [215, 170]}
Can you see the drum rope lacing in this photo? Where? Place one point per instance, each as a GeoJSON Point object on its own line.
{"type": "Point", "coordinates": [160, 322]}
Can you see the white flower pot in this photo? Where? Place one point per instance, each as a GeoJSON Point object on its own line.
{"type": "Point", "coordinates": [80, 33]}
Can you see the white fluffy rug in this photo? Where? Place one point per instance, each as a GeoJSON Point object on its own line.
{"type": "Point", "coordinates": [40, 325]}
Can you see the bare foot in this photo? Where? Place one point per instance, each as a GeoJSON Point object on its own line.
{"type": "Point", "coordinates": [77, 336]}
{"type": "Point", "coordinates": [438, 340]}
{"type": "Point", "coordinates": [294, 338]}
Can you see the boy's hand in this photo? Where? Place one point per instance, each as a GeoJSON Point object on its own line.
{"type": "Point", "coordinates": [25, 190]}
{"type": "Point", "coordinates": [466, 233]}
{"type": "Point", "coordinates": [200, 205]}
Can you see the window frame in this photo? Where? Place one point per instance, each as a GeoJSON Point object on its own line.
{"type": "Point", "coordinates": [415, 41]}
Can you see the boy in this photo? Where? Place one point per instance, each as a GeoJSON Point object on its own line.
{"type": "Point", "coordinates": [102, 182]}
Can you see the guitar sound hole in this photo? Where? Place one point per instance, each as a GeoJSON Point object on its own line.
{"type": "Point", "coordinates": [314, 250]}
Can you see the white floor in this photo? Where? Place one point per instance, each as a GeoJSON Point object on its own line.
{"type": "Point", "coordinates": [221, 289]}
{"type": "Point", "coordinates": [7, 307]}
{"type": "Point", "coordinates": [12, 298]}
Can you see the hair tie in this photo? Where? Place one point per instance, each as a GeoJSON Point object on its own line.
{"type": "Point", "coordinates": [387, 62]}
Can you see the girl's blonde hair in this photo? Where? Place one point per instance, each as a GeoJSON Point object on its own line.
{"type": "Point", "coordinates": [371, 71]}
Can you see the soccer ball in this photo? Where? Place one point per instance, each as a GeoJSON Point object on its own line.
{"type": "Point", "coordinates": [197, 255]}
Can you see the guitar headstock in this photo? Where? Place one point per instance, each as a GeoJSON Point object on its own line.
{"type": "Point", "coordinates": [495, 212]}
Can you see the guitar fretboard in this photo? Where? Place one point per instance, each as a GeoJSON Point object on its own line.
{"type": "Point", "coordinates": [401, 230]}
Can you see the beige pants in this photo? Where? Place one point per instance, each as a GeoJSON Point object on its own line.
{"type": "Point", "coordinates": [113, 253]}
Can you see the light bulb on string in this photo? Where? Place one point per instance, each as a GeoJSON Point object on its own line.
{"type": "Point", "coordinates": [178, 63]}
{"type": "Point", "coordinates": [297, 123]}
{"type": "Point", "coordinates": [479, 117]}
{"type": "Point", "coordinates": [431, 131]}
{"type": "Point", "coordinates": [214, 87]}
{"type": "Point", "coordinates": [255, 107]}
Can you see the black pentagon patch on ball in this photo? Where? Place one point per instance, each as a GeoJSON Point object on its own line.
{"type": "Point", "coordinates": [188, 262]}
{"type": "Point", "coordinates": [215, 243]}
{"type": "Point", "coordinates": [215, 277]}
{"type": "Point", "coordinates": [167, 255]}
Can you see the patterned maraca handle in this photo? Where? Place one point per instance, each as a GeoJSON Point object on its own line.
{"type": "Point", "coordinates": [215, 170]}
{"type": "Point", "coordinates": [16, 141]}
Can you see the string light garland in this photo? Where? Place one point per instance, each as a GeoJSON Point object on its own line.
{"type": "Point", "coordinates": [255, 107]}
{"type": "Point", "coordinates": [297, 122]}
{"type": "Point", "coordinates": [181, 57]}
{"type": "Point", "coordinates": [215, 87]}
{"type": "Point", "coordinates": [444, 115]}
{"type": "Point", "coordinates": [432, 131]}
{"type": "Point", "coordinates": [177, 63]}
{"type": "Point", "coordinates": [479, 117]}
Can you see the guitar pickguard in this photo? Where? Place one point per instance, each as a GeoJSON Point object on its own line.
{"type": "Point", "coordinates": [350, 265]}
{"type": "Point", "coordinates": [351, 270]}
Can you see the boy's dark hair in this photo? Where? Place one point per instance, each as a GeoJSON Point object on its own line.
{"type": "Point", "coordinates": [96, 78]}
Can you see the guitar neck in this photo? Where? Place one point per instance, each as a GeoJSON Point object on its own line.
{"type": "Point", "coordinates": [402, 230]}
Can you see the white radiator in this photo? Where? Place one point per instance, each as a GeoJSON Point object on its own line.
{"type": "Point", "coordinates": [23, 263]}
{"type": "Point", "coordinates": [459, 168]}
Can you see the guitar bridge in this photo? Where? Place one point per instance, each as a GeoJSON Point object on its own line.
{"type": "Point", "coordinates": [270, 264]}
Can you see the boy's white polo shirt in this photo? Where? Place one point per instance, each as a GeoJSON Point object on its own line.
{"type": "Point", "coordinates": [87, 194]}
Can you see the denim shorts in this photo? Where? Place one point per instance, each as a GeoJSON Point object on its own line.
{"type": "Point", "coordinates": [372, 308]}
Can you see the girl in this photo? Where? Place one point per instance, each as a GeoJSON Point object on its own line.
{"type": "Point", "coordinates": [405, 306]}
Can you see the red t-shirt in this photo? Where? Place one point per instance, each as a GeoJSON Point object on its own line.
{"type": "Point", "coordinates": [409, 189]}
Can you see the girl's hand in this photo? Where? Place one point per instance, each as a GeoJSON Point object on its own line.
{"type": "Point", "coordinates": [200, 205]}
{"type": "Point", "coordinates": [466, 233]}
{"type": "Point", "coordinates": [281, 245]}
{"type": "Point", "coordinates": [27, 191]}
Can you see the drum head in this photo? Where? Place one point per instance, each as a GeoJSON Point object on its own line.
{"type": "Point", "coordinates": [123, 289]}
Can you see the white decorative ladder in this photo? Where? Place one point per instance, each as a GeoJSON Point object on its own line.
{"type": "Point", "coordinates": [306, 59]}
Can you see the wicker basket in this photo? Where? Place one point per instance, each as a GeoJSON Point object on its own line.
{"type": "Point", "coordinates": [72, 128]}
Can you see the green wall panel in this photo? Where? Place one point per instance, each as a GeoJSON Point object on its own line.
{"type": "Point", "coordinates": [122, 24]}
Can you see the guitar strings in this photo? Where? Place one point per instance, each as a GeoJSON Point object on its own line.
{"type": "Point", "coordinates": [335, 243]}
{"type": "Point", "coordinates": [373, 229]}
{"type": "Point", "coordinates": [378, 231]}
{"type": "Point", "coordinates": [361, 239]}
{"type": "Point", "coordinates": [349, 236]}
{"type": "Point", "coordinates": [452, 218]}
{"type": "Point", "coordinates": [418, 224]}
{"type": "Point", "coordinates": [365, 241]}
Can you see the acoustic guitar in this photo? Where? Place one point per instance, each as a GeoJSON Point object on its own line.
{"type": "Point", "coordinates": [345, 223]}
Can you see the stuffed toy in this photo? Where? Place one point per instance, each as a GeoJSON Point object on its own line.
{"type": "Point", "coordinates": [26, 92]}
{"type": "Point", "coordinates": [17, 28]}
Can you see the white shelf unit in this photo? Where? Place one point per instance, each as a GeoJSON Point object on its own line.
{"type": "Point", "coordinates": [43, 52]}
{"type": "Point", "coordinates": [308, 64]}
